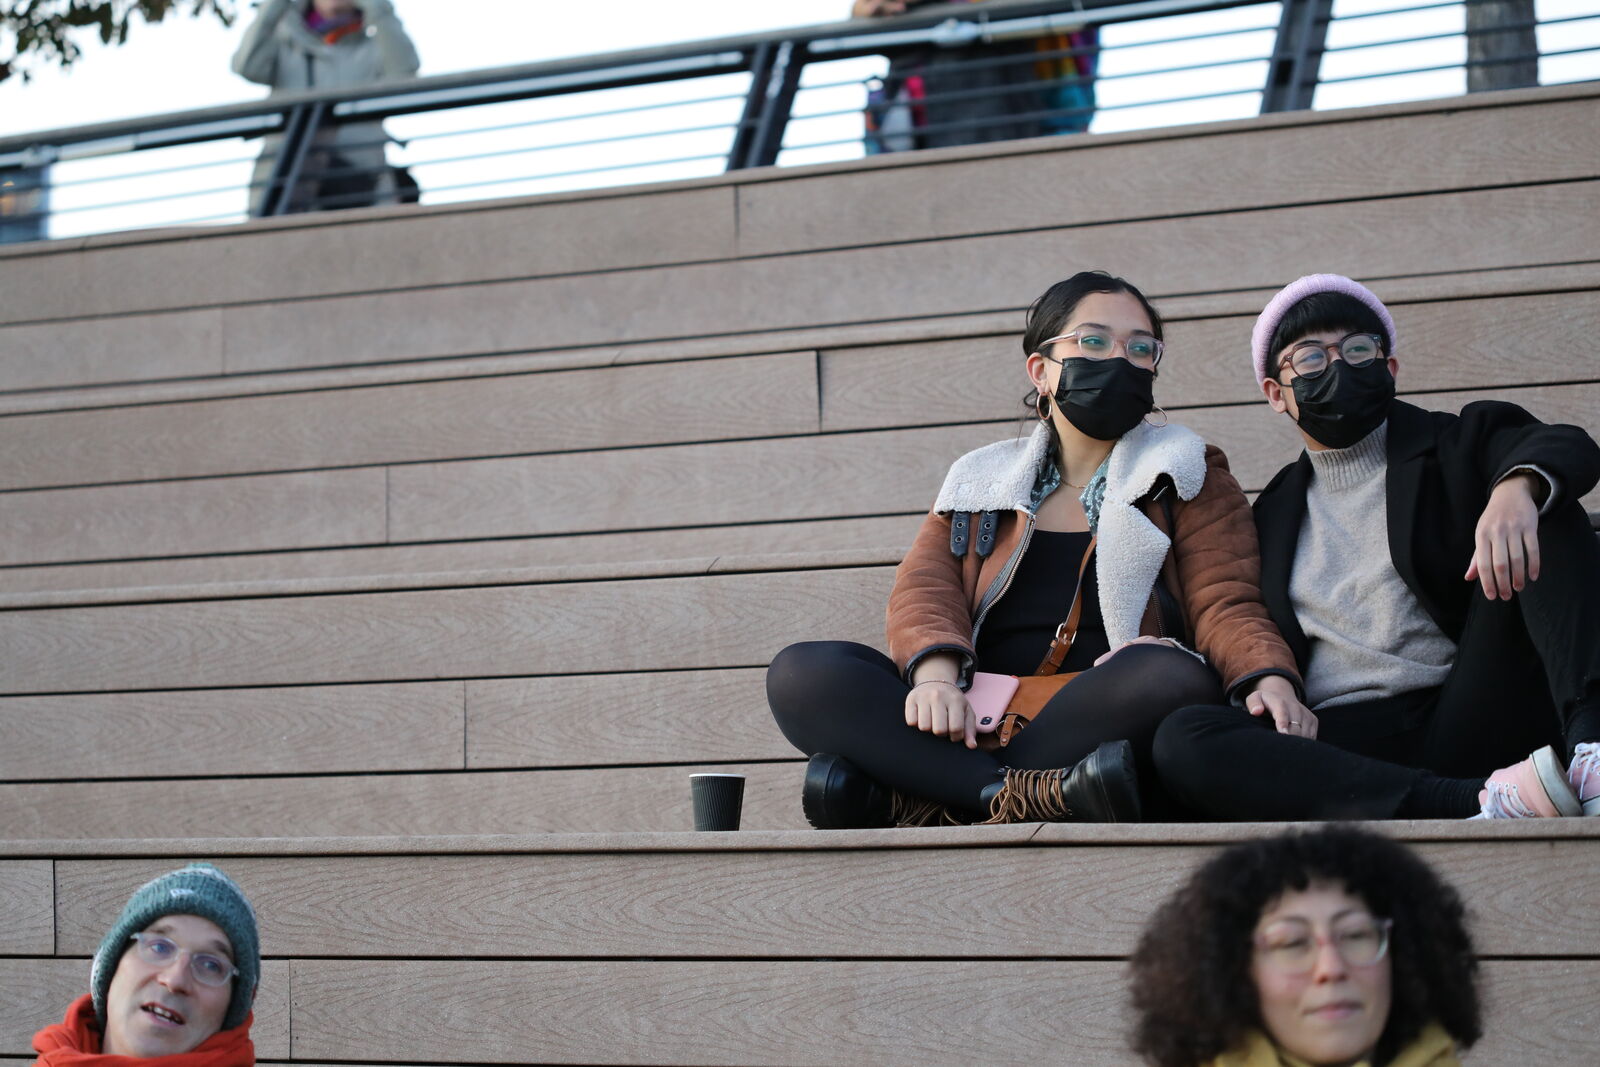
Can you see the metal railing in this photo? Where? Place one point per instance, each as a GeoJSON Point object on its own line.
{"type": "Point", "coordinates": [953, 73]}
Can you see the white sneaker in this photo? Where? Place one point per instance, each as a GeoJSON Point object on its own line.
{"type": "Point", "coordinates": [1584, 776]}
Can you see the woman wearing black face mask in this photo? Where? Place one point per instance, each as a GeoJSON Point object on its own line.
{"type": "Point", "coordinates": [1104, 523]}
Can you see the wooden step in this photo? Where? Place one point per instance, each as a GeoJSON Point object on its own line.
{"type": "Point", "coordinates": [1399, 291]}
{"type": "Point", "coordinates": [446, 562]}
{"type": "Point", "coordinates": [835, 475]}
{"type": "Point", "coordinates": [752, 947]}
{"type": "Point", "coordinates": [1481, 230]}
{"type": "Point", "coordinates": [479, 724]}
{"type": "Point", "coordinates": [1522, 138]}
{"type": "Point", "coordinates": [1446, 345]}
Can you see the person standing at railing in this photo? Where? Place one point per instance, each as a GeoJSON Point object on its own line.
{"type": "Point", "coordinates": [294, 46]}
{"type": "Point", "coordinates": [986, 91]}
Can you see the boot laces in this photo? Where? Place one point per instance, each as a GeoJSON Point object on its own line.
{"type": "Point", "coordinates": [913, 811]}
{"type": "Point", "coordinates": [1584, 773]}
{"type": "Point", "coordinates": [1029, 796]}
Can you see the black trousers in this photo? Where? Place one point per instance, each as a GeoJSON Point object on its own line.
{"type": "Point", "coordinates": [1525, 676]}
{"type": "Point", "coordinates": [848, 699]}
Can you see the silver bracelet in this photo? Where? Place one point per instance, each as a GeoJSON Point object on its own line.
{"type": "Point", "coordinates": [940, 681]}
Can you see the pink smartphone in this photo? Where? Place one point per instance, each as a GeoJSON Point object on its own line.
{"type": "Point", "coordinates": [989, 695]}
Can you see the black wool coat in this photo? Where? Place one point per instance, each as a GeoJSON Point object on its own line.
{"type": "Point", "coordinates": [1441, 470]}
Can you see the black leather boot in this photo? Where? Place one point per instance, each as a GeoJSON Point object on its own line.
{"type": "Point", "coordinates": [838, 795]}
{"type": "Point", "coordinates": [1102, 787]}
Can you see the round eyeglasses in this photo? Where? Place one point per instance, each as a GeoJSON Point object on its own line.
{"type": "Point", "coordinates": [1310, 358]}
{"type": "Point", "coordinates": [1141, 349]}
{"type": "Point", "coordinates": [206, 968]}
{"type": "Point", "coordinates": [1291, 946]}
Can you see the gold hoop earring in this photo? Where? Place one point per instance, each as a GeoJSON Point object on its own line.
{"type": "Point", "coordinates": [1163, 421]}
{"type": "Point", "coordinates": [1041, 406]}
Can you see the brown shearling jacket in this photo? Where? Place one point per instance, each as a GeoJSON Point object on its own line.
{"type": "Point", "coordinates": [1212, 571]}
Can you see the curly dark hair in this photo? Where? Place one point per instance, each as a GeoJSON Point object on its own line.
{"type": "Point", "coordinates": [1192, 989]}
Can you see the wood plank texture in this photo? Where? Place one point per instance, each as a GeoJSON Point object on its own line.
{"type": "Point", "coordinates": [708, 1013]}
{"type": "Point", "coordinates": [179, 344]}
{"type": "Point", "coordinates": [673, 717]}
{"type": "Point", "coordinates": [1397, 290]}
{"type": "Point", "coordinates": [1479, 230]}
{"type": "Point", "coordinates": [1444, 345]}
{"type": "Point", "coordinates": [802, 903]}
{"type": "Point", "coordinates": [27, 906]}
{"type": "Point", "coordinates": [738, 482]}
{"type": "Point", "coordinates": [782, 479]}
{"type": "Point", "coordinates": [804, 1013]}
{"type": "Point", "coordinates": [1081, 181]}
{"type": "Point", "coordinates": [737, 620]}
{"type": "Point", "coordinates": [467, 244]}
{"type": "Point", "coordinates": [34, 993]}
{"type": "Point", "coordinates": [219, 732]}
{"type": "Point", "coordinates": [482, 802]}
{"type": "Point", "coordinates": [1449, 344]}
{"type": "Point", "coordinates": [824, 535]}
{"type": "Point", "coordinates": [557, 412]}
{"type": "Point", "coordinates": [1532, 139]}
{"type": "Point", "coordinates": [175, 518]}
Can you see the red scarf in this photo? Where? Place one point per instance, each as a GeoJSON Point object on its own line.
{"type": "Point", "coordinates": [75, 1042]}
{"type": "Point", "coordinates": [332, 31]}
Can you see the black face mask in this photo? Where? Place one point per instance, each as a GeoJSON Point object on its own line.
{"type": "Point", "coordinates": [1343, 404]}
{"type": "Point", "coordinates": [1104, 398]}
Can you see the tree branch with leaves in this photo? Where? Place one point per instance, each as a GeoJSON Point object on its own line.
{"type": "Point", "coordinates": [46, 32]}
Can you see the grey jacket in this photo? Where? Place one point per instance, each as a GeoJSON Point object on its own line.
{"type": "Point", "coordinates": [279, 50]}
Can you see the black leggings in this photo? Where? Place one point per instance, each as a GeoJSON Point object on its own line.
{"type": "Point", "coordinates": [1422, 754]}
{"type": "Point", "coordinates": [848, 699]}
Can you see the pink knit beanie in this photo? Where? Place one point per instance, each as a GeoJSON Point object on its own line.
{"type": "Point", "coordinates": [1296, 291]}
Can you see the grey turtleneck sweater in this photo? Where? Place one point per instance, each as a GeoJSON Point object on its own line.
{"type": "Point", "coordinates": [1369, 636]}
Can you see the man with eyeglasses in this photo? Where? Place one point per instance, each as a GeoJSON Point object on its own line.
{"type": "Point", "coordinates": [173, 981]}
{"type": "Point", "coordinates": [1438, 582]}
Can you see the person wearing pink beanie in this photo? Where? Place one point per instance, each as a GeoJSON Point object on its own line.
{"type": "Point", "coordinates": [1438, 581]}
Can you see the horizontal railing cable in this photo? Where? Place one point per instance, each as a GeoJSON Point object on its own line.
{"type": "Point", "coordinates": [329, 150]}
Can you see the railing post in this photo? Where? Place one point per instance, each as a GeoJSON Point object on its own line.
{"type": "Point", "coordinates": [298, 134]}
{"type": "Point", "coordinates": [1502, 45]}
{"type": "Point", "coordinates": [755, 102]}
{"type": "Point", "coordinates": [1297, 55]}
{"type": "Point", "coordinates": [774, 80]}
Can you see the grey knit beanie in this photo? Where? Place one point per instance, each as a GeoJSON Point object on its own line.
{"type": "Point", "coordinates": [198, 889]}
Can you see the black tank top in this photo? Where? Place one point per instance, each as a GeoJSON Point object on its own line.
{"type": "Point", "coordinates": [1016, 633]}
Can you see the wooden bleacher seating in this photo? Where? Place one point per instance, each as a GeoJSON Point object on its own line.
{"type": "Point", "coordinates": [406, 562]}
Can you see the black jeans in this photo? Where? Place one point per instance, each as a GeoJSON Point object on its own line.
{"type": "Point", "coordinates": [1421, 754]}
{"type": "Point", "coordinates": [848, 699]}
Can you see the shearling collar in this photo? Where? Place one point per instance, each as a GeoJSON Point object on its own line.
{"type": "Point", "coordinates": [1000, 477]}
{"type": "Point", "coordinates": [1131, 549]}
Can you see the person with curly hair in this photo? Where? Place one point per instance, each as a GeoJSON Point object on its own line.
{"type": "Point", "coordinates": [1322, 948]}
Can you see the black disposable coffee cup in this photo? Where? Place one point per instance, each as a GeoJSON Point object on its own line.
{"type": "Point", "coordinates": [717, 799]}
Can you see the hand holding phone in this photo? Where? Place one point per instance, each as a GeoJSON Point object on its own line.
{"type": "Point", "coordinates": [989, 695]}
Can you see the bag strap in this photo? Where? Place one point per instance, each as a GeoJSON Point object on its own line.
{"type": "Point", "coordinates": [1067, 632]}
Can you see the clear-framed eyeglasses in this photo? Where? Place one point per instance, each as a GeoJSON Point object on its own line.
{"type": "Point", "coordinates": [1141, 349]}
{"type": "Point", "coordinates": [207, 968]}
{"type": "Point", "coordinates": [1310, 358]}
{"type": "Point", "coordinates": [1290, 946]}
